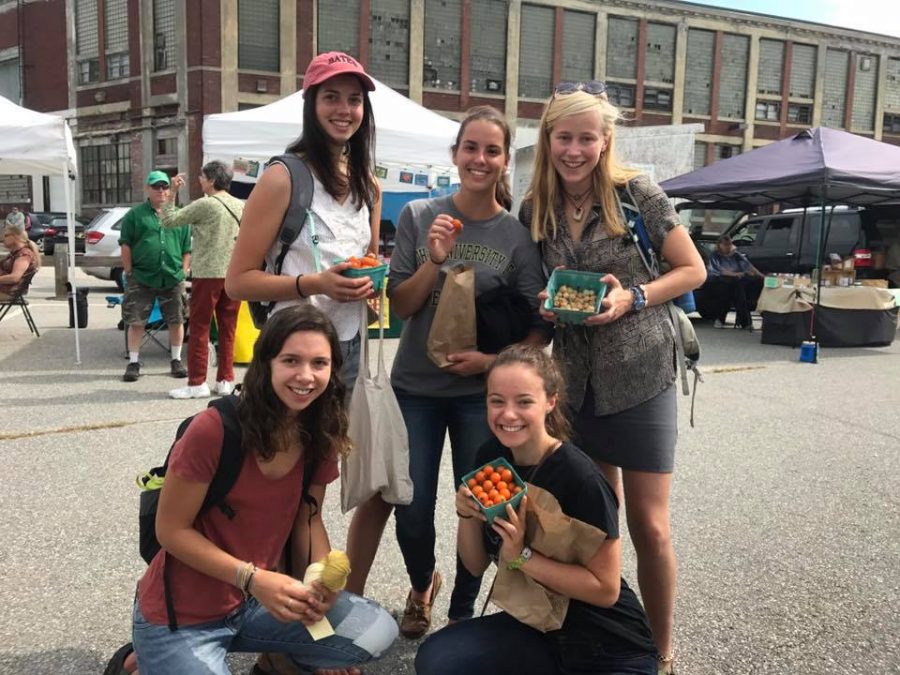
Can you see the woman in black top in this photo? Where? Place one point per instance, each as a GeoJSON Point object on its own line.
{"type": "Point", "coordinates": [605, 630]}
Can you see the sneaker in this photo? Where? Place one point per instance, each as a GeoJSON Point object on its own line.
{"type": "Point", "coordinates": [718, 324]}
{"type": "Point", "coordinates": [191, 391]}
{"type": "Point", "coordinates": [132, 372]}
{"type": "Point", "coordinates": [416, 619]}
{"type": "Point", "coordinates": [224, 388]}
{"type": "Point", "coordinates": [177, 368]}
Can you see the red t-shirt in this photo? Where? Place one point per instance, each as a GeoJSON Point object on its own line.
{"type": "Point", "coordinates": [265, 510]}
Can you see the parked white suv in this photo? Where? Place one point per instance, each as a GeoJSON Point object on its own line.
{"type": "Point", "coordinates": [102, 239]}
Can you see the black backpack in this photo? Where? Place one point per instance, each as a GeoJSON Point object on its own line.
{"type": "Point", "coordinates": [302, 188]}
{"type": "Point", "coordinates": [503, 316]}
{"type": "Point", "coordinates": [223, 480]}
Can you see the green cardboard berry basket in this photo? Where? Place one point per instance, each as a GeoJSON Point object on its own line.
{"type": "Point", "coordinates": [580, 281]}
{"type": "Point", "coordinates": [491, 512]}
{"type": "Point", "coordinates": [377, 274]}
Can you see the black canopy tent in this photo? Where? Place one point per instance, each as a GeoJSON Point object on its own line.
{"type": "Point", "coordinates": [817, 167]}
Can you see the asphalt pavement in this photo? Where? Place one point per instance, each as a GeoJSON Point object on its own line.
{"type": "Point", "coordinates": [785, 508]}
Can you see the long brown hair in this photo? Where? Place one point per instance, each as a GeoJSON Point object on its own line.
{"type": "Point", "coordinates": [486, 113]}
{"type": "Point", "coordinates": [548, 370]}
{"type": "Point", "coordinates": [314, 146]}
{"type": "Point", "coordinates": [544, 191]}
{"type": "Point", "coordinates": [322, 426]}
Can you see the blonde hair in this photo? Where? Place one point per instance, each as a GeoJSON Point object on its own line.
{"type": "Point", "coordinates": [22, 236]}
{"type": "Point", "coordinates": [609, 174]}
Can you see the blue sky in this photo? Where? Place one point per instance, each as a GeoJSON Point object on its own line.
{"type": "Point", "coordinates": [877, 16]}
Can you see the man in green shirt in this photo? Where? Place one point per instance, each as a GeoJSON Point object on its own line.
{"type": "Point", "coordinates": [155, 261]}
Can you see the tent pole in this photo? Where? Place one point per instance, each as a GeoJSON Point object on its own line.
{"type": "Point", "coordinates": [70, 221]}
{"type": "Point", "coordinates": [820, 254]}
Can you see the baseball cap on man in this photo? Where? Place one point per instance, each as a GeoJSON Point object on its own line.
{"type": "Point", "coordinates": [327, 65]}
{"type": "Point", "coordinates": [155, 177]}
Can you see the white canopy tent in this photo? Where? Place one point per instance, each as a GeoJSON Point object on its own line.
{"type": "Point", "coordinates": [410, 140]}
{"type": "Point", "coordinates": [36, 143]}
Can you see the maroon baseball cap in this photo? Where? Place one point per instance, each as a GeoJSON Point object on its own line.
{"type": "Point", "coordinates": [327, 65]}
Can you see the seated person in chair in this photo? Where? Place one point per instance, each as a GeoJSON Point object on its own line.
{"type": "Point", "coordinates": [22, 262]}
{"type": "Point", "coordinates": [734, 282]}
{"type": "Point", "coordinates": [156, 261]}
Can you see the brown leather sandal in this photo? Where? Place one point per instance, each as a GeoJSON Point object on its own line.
{"type": "Point", "coordinates": [416, 619]}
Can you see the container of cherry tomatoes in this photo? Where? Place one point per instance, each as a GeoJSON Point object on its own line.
{"type": "Point", "coordinates": [367, 266]}
{"type": "Point", "coordinates": [495, 485]}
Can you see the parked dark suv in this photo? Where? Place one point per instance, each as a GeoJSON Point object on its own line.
{"type": "Point", "coordinates": [786, 242]}
{"type": "Point", "coordinates": [45, 228]}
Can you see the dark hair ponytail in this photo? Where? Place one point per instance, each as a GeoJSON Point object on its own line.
{"type": "Point", "coordinates": [548, 370]}
{"type": "Point", "coordinates": [502, 192]}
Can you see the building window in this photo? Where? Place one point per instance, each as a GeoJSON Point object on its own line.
{"type": "Point", "coordinates": [579, 36]}
{"type": "Point", "coordinates": [487, 50]}
{"type": "Point", "coordinates": [116, 66]}
{"type": "Point", "coordinates": [620, 95]}
{"type": "Point", "coordinates": [259, 35]}
{"type": "Point", "coordinates": [389, 41]}
{"type": "Point", "coordinates": [698, 71]}
{"type": "Point", "coordinates": [86, 41]}
{"type": "Point", "coordinates": [658, 99]}
{"type": "Point", "coordinates": [106, 174]}
{"type": "Point", "coordinates": [621, 48]}
{"type": "Point", "coordinates": [163, 34]}
{"type": "Point", "coordinates": [733, 76]}
{"type": "Point", "coordinates": [659, 65]}
{"type": "Point", "coordinates": [10, 87]}
{"type": "Point", "coordinates": [536, 51]}
{"type": "Point", "coordinates": [440, 69]}
{"type": "Point", "coordinates": [892, 123]}
{"type": "Point", "coordinates": [771, 67]}
{"type": "Point", "coordinates": [799, 113]}
{"type": "Point", "coordinates": [724, 151]}
{"type": "Point", "coordinates": [88, 71]}
{"type": "Point", "coordinates": [338, 28]}
{"type": "Point", "coordinates": [803, 71]}
{"type": "Point", "coordinates": [768, 111]}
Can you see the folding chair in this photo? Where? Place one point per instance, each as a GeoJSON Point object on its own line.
{"type": "Point", "coordinates": [153, 326]}
{"type": "Point", "coordinates": [17, 299]}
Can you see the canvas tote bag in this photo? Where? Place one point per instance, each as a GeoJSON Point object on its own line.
{"type": "Point", "coordinates": [379, 461]}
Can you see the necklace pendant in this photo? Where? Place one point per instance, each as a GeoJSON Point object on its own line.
{"type": "Point", "coordinates": [578, 214]}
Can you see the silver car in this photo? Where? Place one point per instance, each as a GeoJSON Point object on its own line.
{"type": "Point", "coordinates": [102, 239]}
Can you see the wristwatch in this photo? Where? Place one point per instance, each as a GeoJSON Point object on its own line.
{"type": "Point", "coordinates": [522, 558]}
{"type": "Point", "coordinates": [640, 299]}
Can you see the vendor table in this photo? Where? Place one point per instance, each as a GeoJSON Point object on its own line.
{"type": "Point", "coordinates": [854, 316]}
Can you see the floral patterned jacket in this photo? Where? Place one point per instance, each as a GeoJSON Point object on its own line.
{"type": "Point", "coordinates": [632, 359]}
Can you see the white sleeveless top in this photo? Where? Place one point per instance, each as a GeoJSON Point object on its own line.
{"type": "Point", "coordinates": [343, 231]}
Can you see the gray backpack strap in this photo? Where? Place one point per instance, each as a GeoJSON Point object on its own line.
{"type": "Point", "coordinates": [302, 189]}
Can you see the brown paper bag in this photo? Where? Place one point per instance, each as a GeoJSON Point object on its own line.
{"type": "Point", "coordinates": [555, 535]}
{"type": "Point", "coordinates": [453, 328]}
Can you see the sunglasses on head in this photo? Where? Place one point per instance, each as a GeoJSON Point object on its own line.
{"type": "Point", "coordinates": [592, 87]}
{"type": "Point", "coordinates": [159, 186]}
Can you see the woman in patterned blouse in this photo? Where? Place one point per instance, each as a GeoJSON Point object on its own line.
{"type": "Point", "coordinates": [620, 365]}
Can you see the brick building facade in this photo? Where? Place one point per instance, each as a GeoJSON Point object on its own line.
{"type": "Point", "coordinates": [136, 77]}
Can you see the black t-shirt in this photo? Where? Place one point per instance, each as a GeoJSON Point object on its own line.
{"type": "Point", "coordinates": [583, 493]}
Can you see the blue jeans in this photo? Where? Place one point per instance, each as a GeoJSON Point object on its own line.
{"type": "Point", "coordinates": [466, 646]}
{"type": "Point", "coordinates": [428, 419]}
{"type": "Point", "coordinates": [363, 631]}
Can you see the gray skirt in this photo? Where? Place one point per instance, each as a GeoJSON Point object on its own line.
{"type": "Point", "coordinates": [641, 438]}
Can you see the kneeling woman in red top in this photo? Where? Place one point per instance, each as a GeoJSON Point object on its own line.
{"type": "Point", "coordinates": [291, 411]}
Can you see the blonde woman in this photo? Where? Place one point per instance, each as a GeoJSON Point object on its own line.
{"type": "Point", "coordinates": [23, 259]}
{"type": "Point", "coordinates": [620, 366]}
